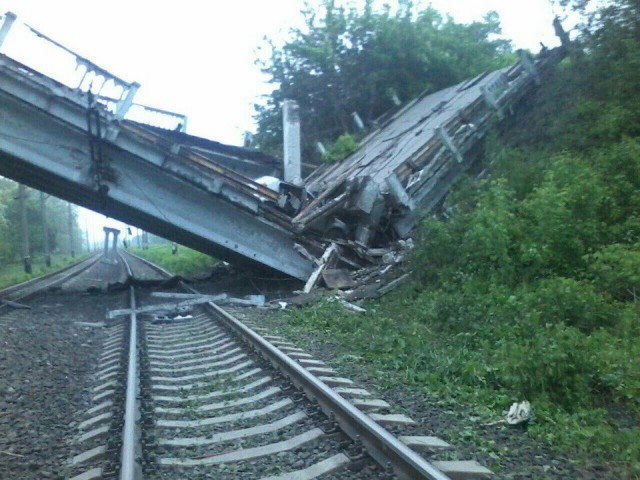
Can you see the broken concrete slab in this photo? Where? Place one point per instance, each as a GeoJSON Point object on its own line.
{"type": "Point", "coordinates": [248, 301]}
{"type": "Point", "coordinates": [163, 307]}
{"type": "Point", "coordinates": [90, 324]}
{"type": "Point", "coordinates": [187, 296]}
{"type": "Point", "coordinates": [338, 278]}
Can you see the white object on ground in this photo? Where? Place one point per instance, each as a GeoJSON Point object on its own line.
{"type": "Point", "coordinates": [519, 413]}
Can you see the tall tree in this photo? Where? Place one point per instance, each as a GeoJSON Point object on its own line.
{"type": "Point", "coordinates": [356, 59]}
{"type": "Point", "coordinates": [10, 232]}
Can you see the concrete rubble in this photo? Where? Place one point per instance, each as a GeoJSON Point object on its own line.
{"type": "Point", "coordinates": [365, 209]}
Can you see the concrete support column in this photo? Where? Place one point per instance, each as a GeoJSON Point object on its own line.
{"type": "Point", "coordinates": [114, 248]}
{"type": "Point", "coordinates": [291, 142]}
{"type": "Point", "coordinates": [110, 251]}
{"type": "Point", "coordinates": [107, 232]}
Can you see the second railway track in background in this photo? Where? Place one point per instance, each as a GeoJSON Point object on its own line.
{"type": "Point", "coordinates": [201, 395]}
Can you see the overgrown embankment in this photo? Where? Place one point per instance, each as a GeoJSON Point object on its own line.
{"type": "Point", "coordinates": [13, 273]}
{"type": "Point", "coordinates": [185, 262]}
{"type": "Point", "coordinates": [528, 287]}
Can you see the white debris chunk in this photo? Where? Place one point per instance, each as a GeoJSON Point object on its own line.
{"type": "Point", "coordinates": [519, 413]}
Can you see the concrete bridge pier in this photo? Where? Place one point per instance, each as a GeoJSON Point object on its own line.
{"type": "Point", "coordinates": [110, 254]}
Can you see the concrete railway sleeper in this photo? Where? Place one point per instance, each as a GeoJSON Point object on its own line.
{"type": "Point", "coordinates": [204, 408]}
{"type": "Point", "coordinates": [202, 395]}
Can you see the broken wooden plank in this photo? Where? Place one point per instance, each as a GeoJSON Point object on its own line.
{"type": "Point", "coordinates": [324, 260]}
{"type": "Point", "coordinates": [394, 284]}
{"type": "Point", "coordinates": [351, 306]}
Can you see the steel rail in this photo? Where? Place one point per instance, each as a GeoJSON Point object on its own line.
{"type": "Point", "coordinates": [129, 469]}
{"type": "Point", "coordinates": [69, 271]}
{"type": "Point", "coordinates": [385, 449]}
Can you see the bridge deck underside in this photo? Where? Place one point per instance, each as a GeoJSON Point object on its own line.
{"type": "Point", "coordinates": [44, 145]}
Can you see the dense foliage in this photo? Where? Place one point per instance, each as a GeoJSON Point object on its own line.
{"type": "Point", "coordinates": [57, 221]}
{"type": "Point", "coordinates": [545, 255]}
{"type": "Point", "coordinates": [349, 59]}
{"type": "Point", "coordinates": [528, 286]}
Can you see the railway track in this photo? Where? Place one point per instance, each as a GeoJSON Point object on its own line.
{"type": "Point", "coordinates": [196, 394]}
{"type": "Point", "coordinates": [24, 290]}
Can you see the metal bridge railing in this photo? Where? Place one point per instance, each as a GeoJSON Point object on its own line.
{"type": "Point", "coordinates": [43, 54]}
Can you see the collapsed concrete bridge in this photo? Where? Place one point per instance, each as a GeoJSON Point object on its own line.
{"type": "Point", "coordinates": [74, 143]}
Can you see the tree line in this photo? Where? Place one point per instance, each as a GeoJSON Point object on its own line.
{"type": "Point", "coordinates": [361, 60]}
{"type": "Point", "coordinates": [57, 223]}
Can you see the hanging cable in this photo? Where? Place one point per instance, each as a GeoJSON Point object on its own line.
{"type": "Point", "coordinates": [99, 170]}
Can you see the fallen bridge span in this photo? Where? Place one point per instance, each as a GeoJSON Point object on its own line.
{"type": "Point", "coordinates": [65, 142]}
{"type": "Point", "coordinates": [73, 142]}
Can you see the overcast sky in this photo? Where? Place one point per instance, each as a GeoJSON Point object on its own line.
{"type": "Point", "coordinates": [197, 57]}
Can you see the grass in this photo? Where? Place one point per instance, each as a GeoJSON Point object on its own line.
{"type": "Point", "coordinates": [400, 346]}
{"type": "Point", "coordinates": [186, 262]}
{"type": "Point", "coordinates": [13, 273]}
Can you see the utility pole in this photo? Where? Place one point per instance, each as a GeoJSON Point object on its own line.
{"type": "Point", "coordinates": [86, 234]}
{"type": "Point", "coordinates": [24, 223]}
{"type": "Point", "coordinates": [70, 226]}
{"type": "Point", "coordinates": [45, 230]}
{"type": "Point", "coordinates": [291, 141]}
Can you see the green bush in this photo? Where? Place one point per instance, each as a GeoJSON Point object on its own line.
{"type": "Point", "coordinates": [344, 146]}
{"type": "Point", "coordinates": [560, 219]}
{"type": "Point", "coordinates": [568, 301]}
{"type": "Point", "coordinates": [485, 248]}
{"type": "Point", "coordinates": [545, 361]}
{"type": "Point", "coordinates": [436, 254]}
{"type": "Point", "coordinates": [615, 269]}
{"type": "Point", "coordinates": [531, 293]}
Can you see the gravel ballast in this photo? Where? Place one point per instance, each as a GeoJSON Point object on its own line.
{"type": "Point", "coordinates": [47, 362]}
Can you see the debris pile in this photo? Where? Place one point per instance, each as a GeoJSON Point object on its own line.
{"type": "Point", "coordinates": [357, 216]}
